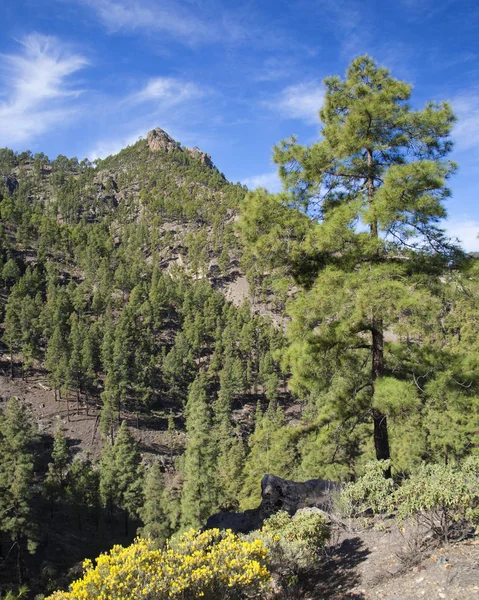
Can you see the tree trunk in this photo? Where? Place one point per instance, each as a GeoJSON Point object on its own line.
{"type": "Point", "coordinates": [381, 437]}
{"type": "Point", "coordinates": [19, 561]}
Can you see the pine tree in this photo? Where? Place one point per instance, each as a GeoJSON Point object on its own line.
{"type": "Point", "coordinates": [107, 487]}
{"type": "Point", "coordinates": [153, 515]}
{"type": "Point", "coordinates": [16, 479]}
{"type": "Point", "coordinates": [57, 469]}
{"type": "Point", "coordinates": [56, 359]}
{"type": "Point", "coordinates": [11, 272]}
{"type": "Point", "coordinates": [198, 495]}
{"type": "Point", "coordinates": [121, 476]}
{"type": "Point", "coordinates": [75, 363]}
{"type": "Point", "coordinates": [89, 365]}
{"type": "Point", "coordinates": [83, 489]}
{"type": "Point", "coordinates": [271, 451]}
{"type": "Point", "coordinates": [129, 475]}
{"type": "Point", "coordinates": [357, 228]}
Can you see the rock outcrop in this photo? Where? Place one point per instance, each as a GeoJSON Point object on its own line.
{"type": "Point", "coordinates": [159, 140]}
{"type": "Point", "coordinates": [10, 182]}
{"type": "Point", "coordinates": [201, 156]}
{"type": "Point", "coordinates": [279, 494]}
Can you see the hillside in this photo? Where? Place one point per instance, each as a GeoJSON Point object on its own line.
{"type": "Point", "coordinates": [123, 281]}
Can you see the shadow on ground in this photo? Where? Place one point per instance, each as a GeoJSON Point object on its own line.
{"type": "Point", "coordinates": [339, 575]}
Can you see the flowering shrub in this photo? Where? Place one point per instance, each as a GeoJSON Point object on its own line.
{"type": "Point", "coordinates": [208, 565]}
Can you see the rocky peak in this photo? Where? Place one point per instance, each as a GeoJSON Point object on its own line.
{"type": "Point", "coordinates": [157, 140]}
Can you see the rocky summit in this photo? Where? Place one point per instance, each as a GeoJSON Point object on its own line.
{"type": "Point", "coordinates": [159, 140]}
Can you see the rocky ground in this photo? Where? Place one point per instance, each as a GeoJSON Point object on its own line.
{"type": "Point", "coordinates": [367, 564]}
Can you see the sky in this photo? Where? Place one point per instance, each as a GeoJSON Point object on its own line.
{"type": "Point", "coordinates": [87, 77]}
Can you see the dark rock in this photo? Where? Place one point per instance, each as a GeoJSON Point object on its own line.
{"type": "Point", "coordinates": [240, 522]}
{"type": "Point", "coordinates": [280, 494]}
{"type": "Point", "coordinates": [10, 182]}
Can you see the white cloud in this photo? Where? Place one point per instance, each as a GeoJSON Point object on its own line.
{"type": "Point", "coordinates": [270, 181]}
{"type": "Point", "coordinates": [150, 16]}
{"type": "Point", "coordinates": [466, 231]}
{"type": "Point", "coordinates": [301, 101]}
{"type": "Point", "coordinates": [168, 91]}
{"type": "Point", "coordinates": [38, 95]}
{"type": "Point", "coordinates": [466, 130]}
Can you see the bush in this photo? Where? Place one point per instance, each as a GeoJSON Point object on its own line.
{"type": "Point", "coordinates": [210, 565]}
{"type": "Point", "coordinates": [372, 493]}
{"type": "Point", "coordinates": [444, 499]}
{"type": "Point", "coordinates": [294, 543]}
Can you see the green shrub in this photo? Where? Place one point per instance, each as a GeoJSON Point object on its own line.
{"type": "Point", "coordinates": [371, 493]}
{"type": "Point", "coordinates": [444, 499]}
{"type": "Point", "coordinates": [294, 544]}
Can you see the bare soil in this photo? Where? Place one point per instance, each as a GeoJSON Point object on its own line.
{"type": "Point", "coordinates": [82, 429]}
{"type": "Point", "coordinates": [369, 564]}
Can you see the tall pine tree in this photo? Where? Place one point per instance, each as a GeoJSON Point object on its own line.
{"type": "Point", "coordinates": [199, 489]}
{"type": "Point", "coordinates": [358, 227]}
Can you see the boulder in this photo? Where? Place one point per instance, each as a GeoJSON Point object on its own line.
{"type": "Point", "coordinates": [280, 494]}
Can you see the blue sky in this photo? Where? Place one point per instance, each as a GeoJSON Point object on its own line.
{"type": "Point", "coordinates": [87, 77]}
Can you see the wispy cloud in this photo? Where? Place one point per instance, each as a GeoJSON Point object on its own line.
{"type": "Point", "coordinates": [167, 90]}
{"type": "Point", "coordinates": [420, 10]}
{"type": "Point", "coordinates": [275, 68]}
{"type": "Point", "coordinates": [346, 20]}
{"type": "Point", "coordinates": [38, 92]}
{"type": "Point", "coordinates": [301, 101]}
{"type": "Point", "coordinates": [466, 231]}
{"type": "Point", "coordinates": [270, 181]}
{"type": "Point", "coordinates": [466, 130]}
{"type": "Point", "coordinates": [169, 17]}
